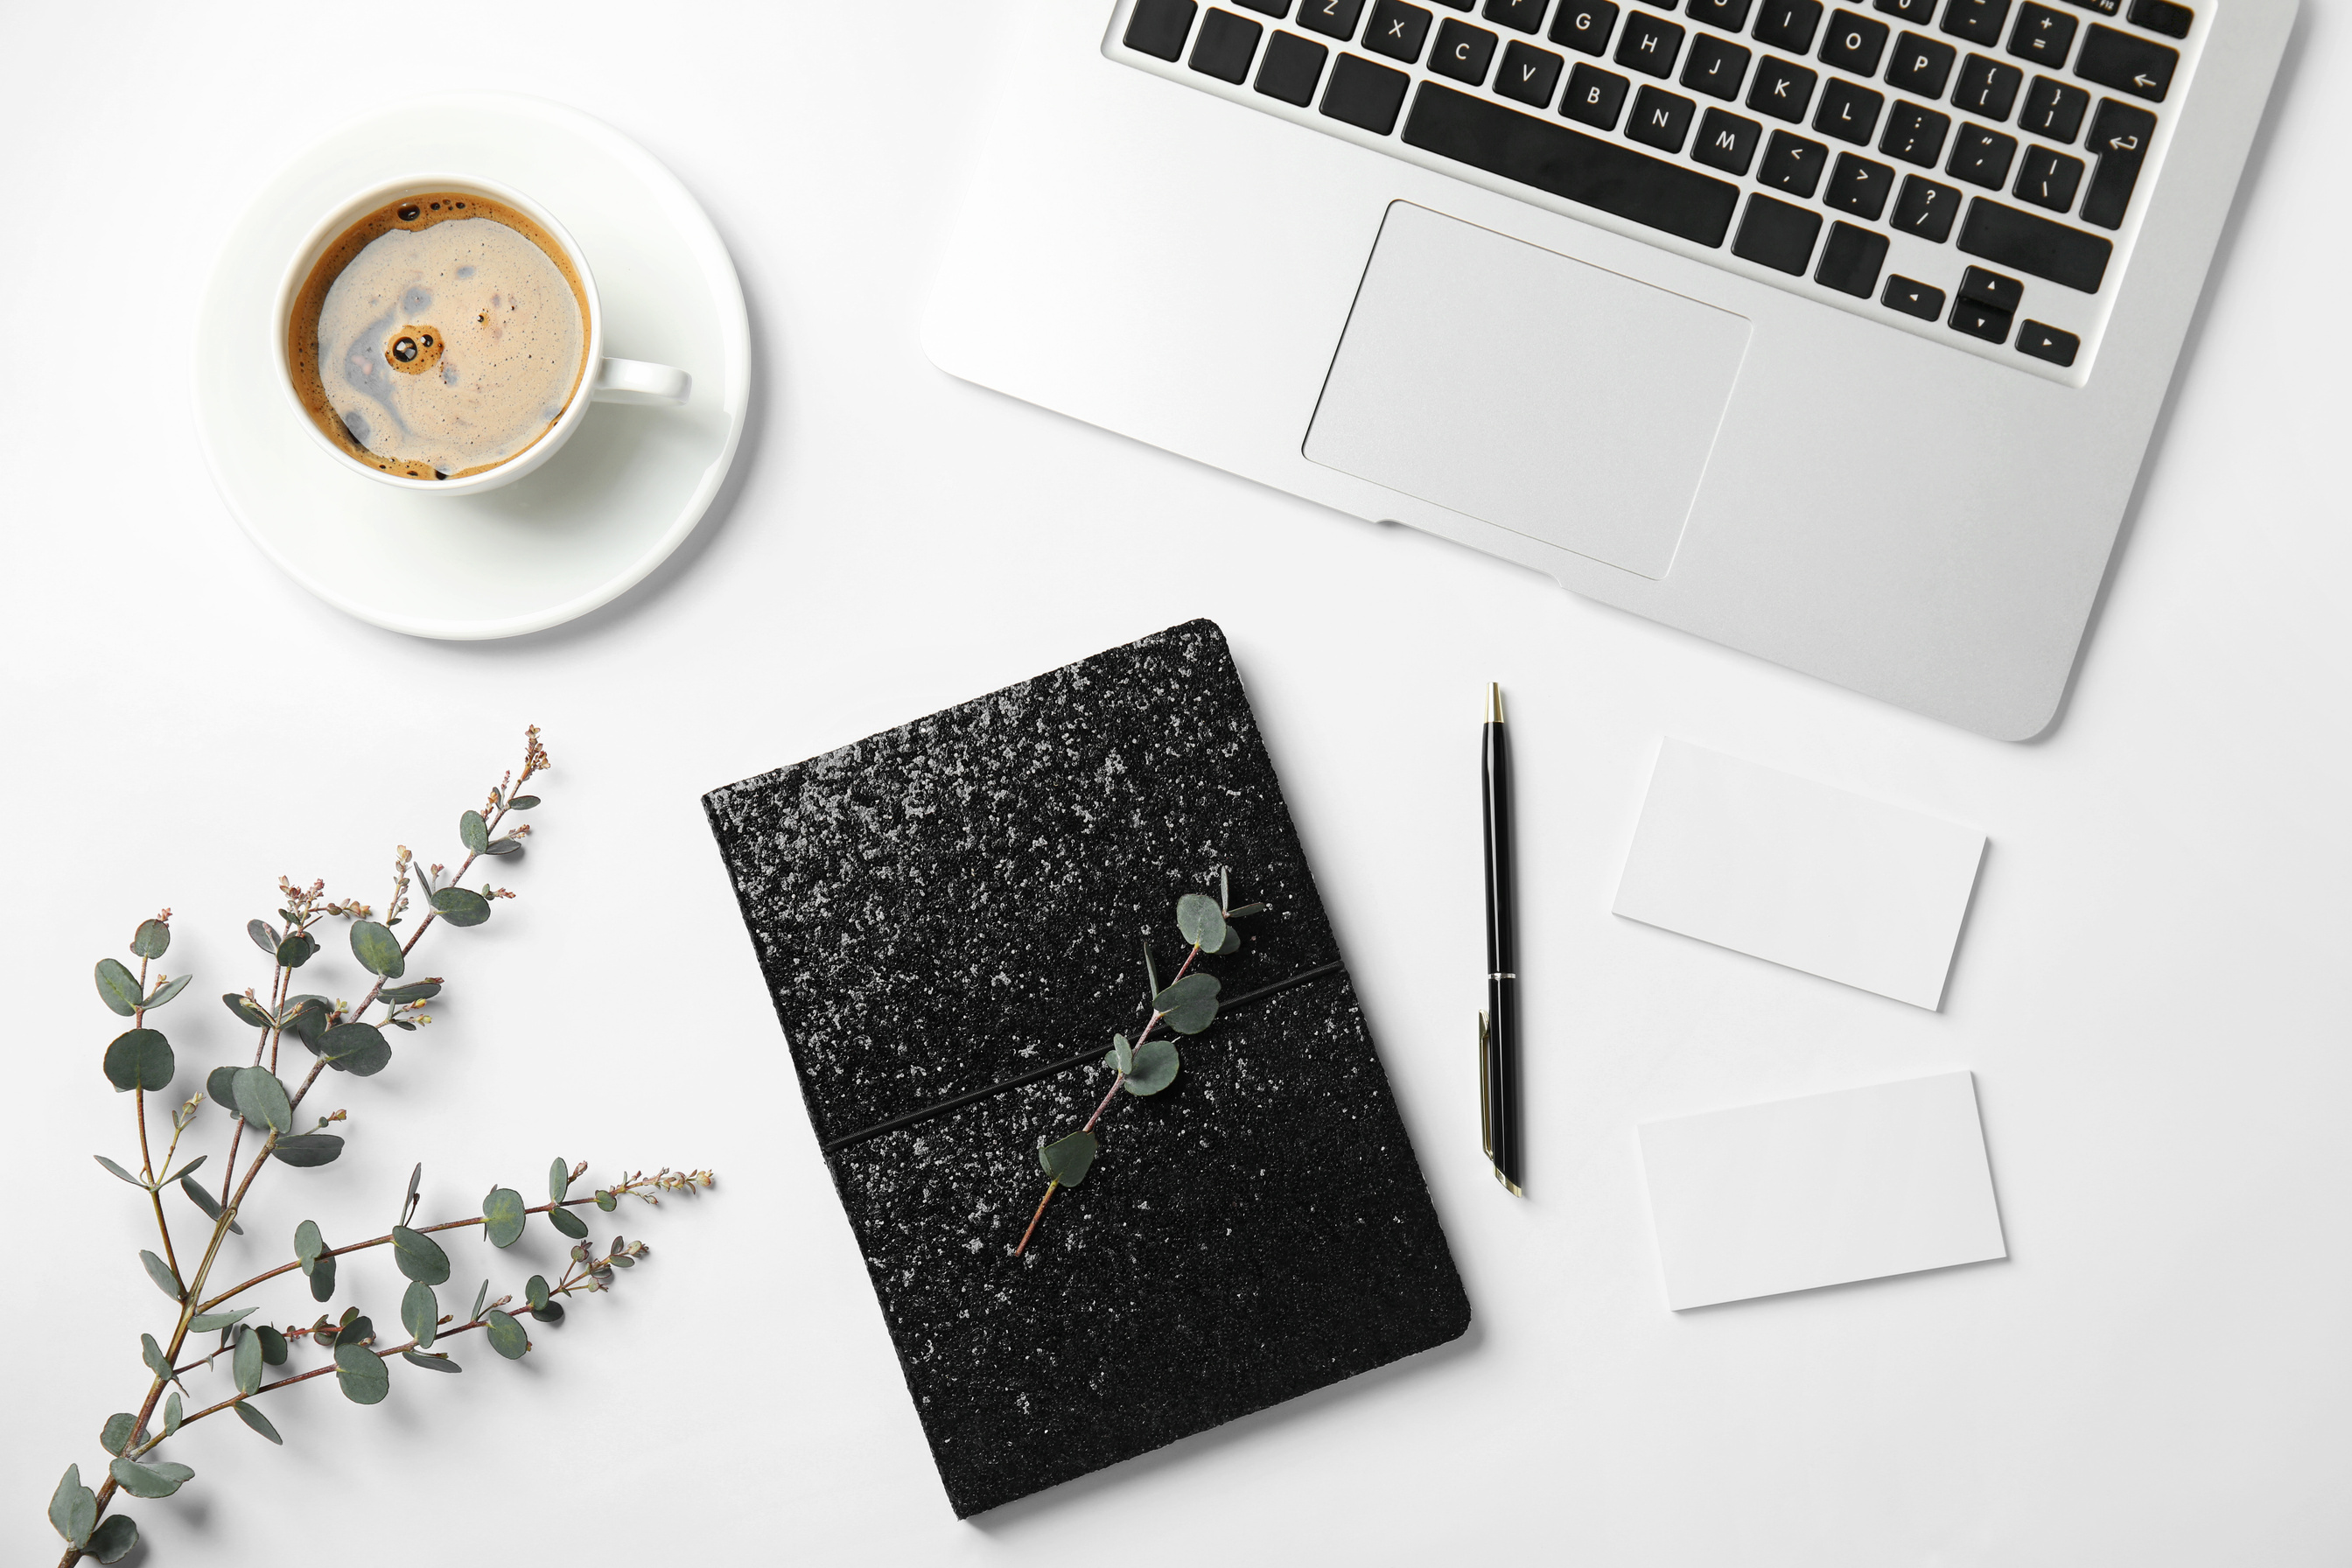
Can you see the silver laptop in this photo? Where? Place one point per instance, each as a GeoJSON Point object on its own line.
{"type": "Point", "coordinates": [1831, 332]}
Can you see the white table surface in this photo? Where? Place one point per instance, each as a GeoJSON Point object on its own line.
{"type": "Point", "coordinates": [2150, 987]}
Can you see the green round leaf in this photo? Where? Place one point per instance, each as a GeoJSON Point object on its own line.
{"type": "Point", "coordinates": [507, 1336]}
{"type": "Point", "coordinates": [273, 1346]}
{"type": "Point", "coordinates": [111, 1542]}
{"type": "Point", "coordinates": [308, 1243]}
{"type": "Point", "coordinates": [245, 1363]}
{"type": "Point", "coordinates": [160, 1272]}
{"type": "Point", "coordinates": [261, 1097]}
{"type": "Point", "coordinates": [437, 1362]}
{"type": "Point", "coordinates": [173, 1414]}
{"type": "Point", "coordinates": [165, 992]}
{"type": "Point", "coordinates": [150, 1480]}
{"type": "Point", "coordinates": [264, 935]}
{"type": "Point", "coordinates": [151, 939]}
{"type": "Point", "coordinates": [306, 1017]}
{"type": "Point", "coordinates": [522, 803]}
{"type": "Point", "coordinates": [115, 1435]}
{"type": "Point", "coordinates": [258, 1421]}
{"type": "Point", "coordinates": [607, 1200]}
{"type": "Point", "coordinates": [1155, 1067]}
{"type": "Point", "coordinates": [400, 995]}
{"type": "Point", "coordinates": [569, 1223]}
{"type": "Point", "coordinates": [303, 1150]}
{"type": "Point", "coordinates": [220, 1088]}
{"type": "Point", "coordinates": [1068, 1160]}
{"type": "Point", "coordinates": [296, 949]}
{"type": "Point", "coordinates": [559, 1180]}
{"type": "Point", "coordinates": [244, 1007]}
{"type": "Point", "coordinates": [377, 949]}
{"type": "Point", "coordinates": [548, 1312]}
{"type": "Point", "coordinates": [509, 845]}
{"type": "Point", "coordinates": [361, 1373]}
{"type": "Point", "coordinates": [117, 987]}
{"type": "Point", "coordinates": [1200, 921]}
{"type": "Point", "coordinates": [73, 1507]}
{"type": "Point", "coordinates": [503, 1214]}
{"type": "Point", "coordinates": [153, 1354]}
{"type": "Point", "coordinates": [322, 1278]}
{"type": "Point", "coordinates": [473, 832]}
{"type": "Point", "coordinates": [419, 1256]}
{"type": "Point", "coordinates": [461, 906]}
{"type": "Point", "coordinates": [140, 1059]}
{"type": "Point", "coordinates": [1233, 942]}
{"type": "Point", "coordinates": [359, 1049]}
{"type": "Point", "coordinates": [1122, 1055]}
{"type": "Point", "coordinates": [1189, 1005]}
{"type": "Point", "coordinates": [535, 1292]}
{"type": "Point", "coordinates": [420, 1313]}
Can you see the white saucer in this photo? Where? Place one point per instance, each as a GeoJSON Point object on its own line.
{"type": "Point", "coordinates": [608, 508]}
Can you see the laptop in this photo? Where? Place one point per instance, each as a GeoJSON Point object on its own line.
{"type": "Point", "coordinates": [1833, 333]}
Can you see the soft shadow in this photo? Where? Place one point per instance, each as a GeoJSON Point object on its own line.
{"type": "Point", "coordinates": [1967, 918]}
{"type": "Point", "coordinates": [2257, 155]}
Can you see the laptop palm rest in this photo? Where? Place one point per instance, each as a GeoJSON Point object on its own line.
{"type": "Point", "coordinates": [1527, 389]}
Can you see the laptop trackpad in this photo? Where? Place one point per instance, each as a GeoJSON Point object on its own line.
{"type": "Point", "coordinates": [1531, 391]}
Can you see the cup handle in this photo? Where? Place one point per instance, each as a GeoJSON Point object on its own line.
{"type": "Point", "coordinates": [636, 381]}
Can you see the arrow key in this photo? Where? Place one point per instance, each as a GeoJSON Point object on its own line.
{"type": "Point", "coordinates": [2118, 138]}
{"type": "Point", "coordinates": [2127, 64]}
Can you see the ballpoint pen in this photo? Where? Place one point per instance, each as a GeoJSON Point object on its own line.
{"type": "Point", "coordinates": [1499, 1026]}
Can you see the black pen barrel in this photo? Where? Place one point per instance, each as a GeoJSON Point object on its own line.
{"type": "Point", "coordinates": [1502, 1086]}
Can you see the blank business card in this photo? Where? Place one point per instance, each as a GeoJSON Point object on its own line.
{"type": "Point", "coordinates": [1819, 878]}
{"type": "Point", "coordinates": [1788, 1196]}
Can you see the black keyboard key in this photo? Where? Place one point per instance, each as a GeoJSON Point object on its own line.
{"type": "Point", "coordinates": [2027, 242]}
{"type": "Point", "coordinates": [1365, 95]}
{"type": "Point", "coordinates": [1977, 21]}
{"type": "Point", "coordinates": [1913, 298]}
{"type": "Point", "coordinates": [1927, 209]}
{"type": "Point", "coordinates": [1649, 44]}
{"type": "Point", "coordinates": [1159, 27]}
{"type": "Point", "coordinates": [2048, 179]}
{"type": "Point", "coordinates": [1336, 18]}
{"type": "Point", "coordinates": [1727, 142]}
{"type": "Point", "coordinates": [1530, 74]}
{"type": "Point", "coordinates": [1777, 235]}
{"type": "Point", "coordinates": [2119, 140]}
{"type": "Point", "coordinates": [1992, 290]}
{"type": "Point", "coordinates": [1594, 96]}
{"type": "Point", "coordinates": [2127, 63]}
{"type": "Point", "coordinates": [1917, 12]}
{"type": "Point", "coordinates": [1226, 46]}
{"type": "Point", "coordinates": [1781, 90]}
{"type": "Point", "coordinates": [2162, 16]}
{"type": "Point", "coordinates": [1855, 43]}
{"type": "Point", "coordinates": [1859, 186]}
{"type": "Point", "coordinates": [1987, 88]}
{"type": "Point", "coordinates": [1277, 9]}
{"type": "Point", "coordinates": [1851, 258]}
{"type": "Point", "coordinates": [1463, 52]}
{"type": "Point", "coordinates": [1728, 14]}
{"type": "Point", "coordinates": [1914, 134]}
{"type": "Point", "coordinates": [1793, 164]}
{"type": "Point", "coordinates": [2054, 109]}
{"type": "Point", "coordinates": [1397, 30]}
{"type": "Point", "coordinates": [1631, 186]}
{"type": "Point", "coordinates": [2043, 36]}
{"type": "Point", "coordinates": [1660, 119]}
{"type": "Point", "coordinates": [2048, 342]}
{"type": "Point", "coordinates": [1789, 25]}
{"type": "Point", "coordinates": [1292, 67]}
{"type": "Point", "coordinates": [1526, 16]}
{"type": "Point", "coordinates": [1716, 67]}
{"type": "Point", "coordinates": [2104, 8]}
{"type": "Point", "coordinates": [1981, 157]}
{"type": "Point", "coordinates": [1584, 25]}
{"type": "Point", "coordinates": [1848, 112]}
{"type": "Point", "coordinates": [1920, 65]}
{"type": "Point", "coordinates": [1981, 321]}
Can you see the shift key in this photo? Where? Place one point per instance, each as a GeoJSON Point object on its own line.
{"type": "Point", "coordinates": [2021, 241]}
{"type": "Point", "coordinates": [2119, 138]}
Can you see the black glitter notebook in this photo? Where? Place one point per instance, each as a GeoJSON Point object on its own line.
{"type": "Point", "coordinates": [960, 901]}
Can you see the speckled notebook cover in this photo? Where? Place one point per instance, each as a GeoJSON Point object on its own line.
{"type": "Point", "coordinates": [948, 904]}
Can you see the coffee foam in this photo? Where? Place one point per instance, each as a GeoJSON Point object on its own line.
{"type": "Point", "coordinates": [440, 335]}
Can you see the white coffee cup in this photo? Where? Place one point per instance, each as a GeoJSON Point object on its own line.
{"type": "Point", "coordinates": [607, 381]}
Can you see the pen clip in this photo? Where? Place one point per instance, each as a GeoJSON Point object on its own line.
{"type": "Point", "coordinates": [1486, 1125]}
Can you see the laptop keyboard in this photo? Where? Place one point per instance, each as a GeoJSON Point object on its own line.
{"type": "Point", "coordinates": [1964, 170]}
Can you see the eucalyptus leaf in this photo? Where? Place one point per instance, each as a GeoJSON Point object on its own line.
{"type": "Point", "coordinates": [160, 1272]}
{"type": "Point", "coordinates": [419, 1256]}
{"type": "Point", "coordinates": [1246, 910]}
{"type": "Point", "coordinates": [322, 1278]}
{"type": "Point", "coordinates": [306, 1018]}
{"type": "Point", "coordinates": [116, 1434]}
{"type": "Point", "coordinates": [437, 1362]}
{"type": "Point", "coordinates": [408, 1199]}
{"type": "Point", "coordinates": [73, 1507]}
{"type": "Point", "coordinates": [258, 1421]}
{"type": "Point", "coordinates": [261, 1097]}
{"type": "Point", "coordinates": [1155, 1067]}
{"type": "Point", "coordinates": [116, 986]}
{"type": "Point", "coordinates": [303, 1150]}
{"type": "Point", "coordinates": [480, 1296]}
{"type": "Point", "coordinates": [140, 1059]}
{"type": "Point", "coordinates": [1068, 1160]}
{"type": "Point", "coordinates": [264, 935]}
{"type": "Point", "coordinates": [377, 949]}
{"type": "Point", "coordinates": [507, 1336]}
{"type": "Point", "coordinates": [401, 995]}
{"type": "Point", "coordinates": [548, 1312]}
{"type": "Point", "coordinates": [206, 1322]}
{"type": "Point", "coordinates": [296, 949]}
{"type": "Point", "coordinates": [308, 1244]}
{"type": "Point", "coordinates": [359, 1049]}
{"type": "Point", "coordinates": [503, 1215]}
{"type": "Point", "coordinates": [185, 1171]}
{"type": "Point", "coordinates": [245, 1362]}
{"type": "Point", "coordinates": [607, 1200]}
{"type": "Point", "coordinates": [151, 939]}
{"type": "Point", "coordinates": [1233, 942]}
{"type": "Point", "coordinates": [522, 803]}
{"type": "Point", "coordinates": [119, 1170]}
{"type": "Point", "coordinates": [171, 1415]}
{"type": "Point", "coordinates": [361, 1373]}
{"type": "Point", "coordinates": [165, 992]}
{"type": "Point", "coordinates": [273, 1345]}
{"type": "Point", "coordinates": [220, 1087]}
{"type": "Point", "coordinates": [559, 1180]}
{"type": "Point", "coordinates": [1201, 922]}
{"type": "Point", "coordinates": [161, 1479]}
{"type": "Point", "coordinates": [244, 1007]}
{"type": "Point", "coordinates": [208, 1204]}
{"type": "Point", "coordinates": [1189, 1005]}
{"type": "Point", "coordinates": [153, 1354]}
{"type": "Point", "coordinates": [569, 1223]}
{"type": "Point", "coordinates": [111, 1542]}
{"type": "Point", "coordinates": [1122, 1055]}
{"type": "Point", "coordinates": [509, 845]}
{"type": "Point", "coordinates": [461, 906]}
{"type": "Point", "coordinates": [420, 1313]}
{"type": "Point", "coordinates": [473, 832]}
{"type": "Point", "coordinates": [535, 1291]}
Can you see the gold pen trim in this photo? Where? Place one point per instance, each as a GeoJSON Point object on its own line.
{"type": "Point", "coordinates": [1485, 1129]}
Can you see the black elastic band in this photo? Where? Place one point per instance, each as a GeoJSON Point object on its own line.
{"type": "Point", "coordinates": [958, 1101]}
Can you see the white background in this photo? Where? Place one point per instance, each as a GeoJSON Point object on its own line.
{"type": "Point", "coordinates": [2150, 987]}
